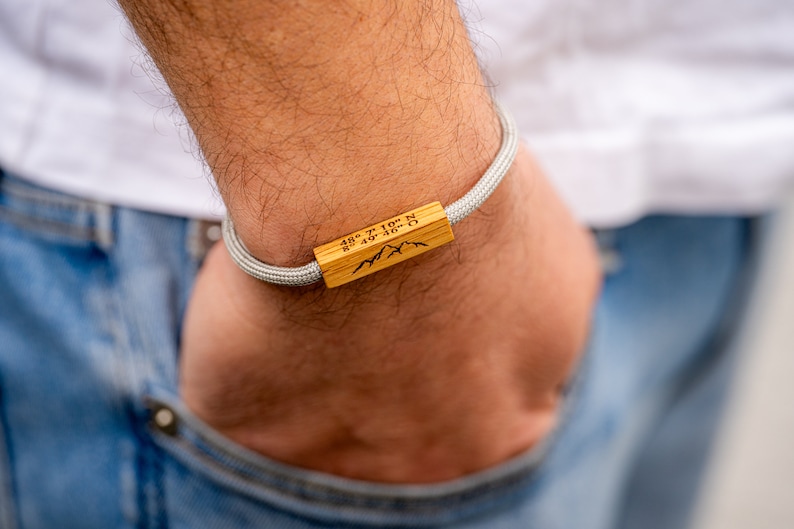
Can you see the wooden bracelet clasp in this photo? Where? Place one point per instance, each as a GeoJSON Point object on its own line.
{"type": "Point", "coordinates": [383, 244]}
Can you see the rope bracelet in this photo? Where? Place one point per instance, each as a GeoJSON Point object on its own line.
{"type": "Point", "coordinates": [388, 242]}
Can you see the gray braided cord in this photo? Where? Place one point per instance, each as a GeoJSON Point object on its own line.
{"type": "Point", "coordinates": [485, 186]}
{"type": "Point", "coordinates": [307, 274]}
{"type": "Point", "coordinates": [296, 276]}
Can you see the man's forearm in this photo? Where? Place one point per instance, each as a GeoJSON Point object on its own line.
{"type": "Point", "coordinates": [318, 118]}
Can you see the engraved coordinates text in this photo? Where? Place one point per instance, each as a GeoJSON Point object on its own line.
{"type": "Point", "coordinates": [371, 235]}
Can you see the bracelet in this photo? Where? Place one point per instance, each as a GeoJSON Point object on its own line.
{"type": "Point", "coordinates": [388, 242]}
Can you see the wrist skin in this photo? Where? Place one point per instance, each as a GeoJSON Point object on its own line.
{"type": "Point", "coordinates": [438, 367]}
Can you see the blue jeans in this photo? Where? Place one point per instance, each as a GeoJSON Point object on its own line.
{"type": "Point", "coordinates": [91, 299]}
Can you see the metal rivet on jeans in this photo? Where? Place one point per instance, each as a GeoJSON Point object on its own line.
{"type": "Point", "coordinates": [164, 420]}
{"type": "Point", "coordinates": [214, 233]}
{"type": "Point", "coordinates": [611, 261]}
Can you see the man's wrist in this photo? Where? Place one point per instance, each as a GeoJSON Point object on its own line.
{"type": "Point", "coordinates": [387, 242]}
{"type": "Point", "coordinates": [285, 231]}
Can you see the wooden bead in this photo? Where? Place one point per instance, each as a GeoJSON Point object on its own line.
{"type": "Point", "coordinates": [383, 244]}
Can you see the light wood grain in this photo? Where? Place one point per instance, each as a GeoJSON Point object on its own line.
{"type": "Point", "coordinates": [383, 244]}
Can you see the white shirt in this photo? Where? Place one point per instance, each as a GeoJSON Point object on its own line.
{"type": "Point", "coordinates": [79, 114]}
{"type": "Point", "coordinates": [631, 107]}
{"type": "Point", "coordinates": [650, 106]}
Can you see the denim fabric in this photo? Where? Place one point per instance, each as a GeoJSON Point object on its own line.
{"type": "Point", "coordinates": [91, 297]}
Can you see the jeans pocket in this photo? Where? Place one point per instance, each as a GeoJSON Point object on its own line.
{"type": "Point", "coordinates": [51, 215]}
{"type": "Point", "coordinates": [210, 481]}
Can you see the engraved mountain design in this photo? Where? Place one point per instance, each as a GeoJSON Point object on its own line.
{"type": "Point", "coordinates": [394, 250]}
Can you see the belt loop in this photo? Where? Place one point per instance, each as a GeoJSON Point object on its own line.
{"type": "Point", "coordinates": [609, 254]}
{"type": "Point", "coordinates": [103, 225]}
{"type": "Point", "coordinates": [202, 234]}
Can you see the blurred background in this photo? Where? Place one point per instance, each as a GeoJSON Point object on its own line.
{"type": "Point", "coordinates": [751, 481]}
